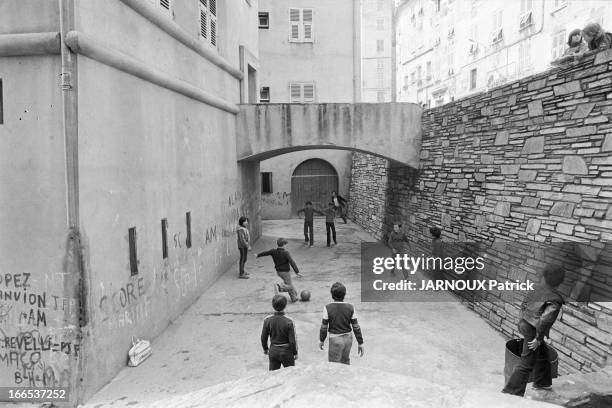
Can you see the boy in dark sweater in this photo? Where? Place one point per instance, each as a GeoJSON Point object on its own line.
{"type": "Point", "coordinates": [538, 313]}
{"type": "Point", "coordinates": [281, 331]}
{"type": "Point", "coordinates": [282, 261]}
{"type": "Point", "coordinates": [330, 227]}
{"type": "Point", "coordinates": [338, 319]}
{"type": "Point", "coordinates": [309, 212]}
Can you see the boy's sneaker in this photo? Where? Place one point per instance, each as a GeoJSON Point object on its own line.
{"type": "Point", "coordinates": [245, 276]}
{"type": "Point", "coordinates": [543, 388]}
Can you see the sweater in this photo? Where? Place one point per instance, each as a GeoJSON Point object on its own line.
{"type": "Point", "coordinates": [281, 331]}
{"type": "Point", "coordinates": [243, 237]}
{"type": "Point", "coordinates": [309, 213]}
{"type": "Point", "coordinates": [338, 319]}
{"type": "Point", "coordinates": [282, 259]}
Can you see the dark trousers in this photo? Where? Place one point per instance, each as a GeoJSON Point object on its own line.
{"type": "Point", "coordinates": [280, 355]}
{"type": "Point", "coordinates": [308, 230]}
{"type": "Point", "coordinates": [330, 228]}
{"type": "Point", "coordinates": [341, 212]}
{"type": "Point", "coordinates": [531, 360]}
{"type": "Point", "coordinates": [243, 258]}
{"type": "Point", "coordinates": [340, 349]}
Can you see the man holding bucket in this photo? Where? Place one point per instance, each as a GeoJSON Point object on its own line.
{"type": "Point", "coordinates": [539, 312]}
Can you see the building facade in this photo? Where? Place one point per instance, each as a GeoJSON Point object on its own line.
{"type": "Point", "coordinates": [119, 169]}
{"type": "Point", "coordinates": [305, 58]}
{"type": "Point", "coordinates": [448, 49]}
{"type": "Point", "coordinates": [376, 50]}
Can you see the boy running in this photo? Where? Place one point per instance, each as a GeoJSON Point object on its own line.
{"type": "Point", "coordinates": [282, 261]}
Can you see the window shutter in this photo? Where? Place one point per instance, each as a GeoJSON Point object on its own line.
{"type": "Point", "coordinates": [295, 92]}
{"type": "Point", "coordinates": [165, 4]}
{"type": "Point", "coordinates": [203, 24]}
{"type": "Point", "coordinates": [212, 8]}
{"type": "Point", "coordinates": [309, 93]}
{"type": "Point", "coordinates": [307, 22]}
{"type": "Point", "coordinates": [294, 21]}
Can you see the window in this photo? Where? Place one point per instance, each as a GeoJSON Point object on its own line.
{"type": "Point", "coordinates": [419, 73]}
{"type": "Point", "coordinates": [379, 5]}
{"type": "Point", "coordinates": [473, 40]}
{"type": "Point", "coordinates": [208, 21]}
{"type": "Point", "coordinates": [188, 225]}
{"type": "Point", "coordinates": [300, 22]}
{"type": "Point", "coordinates": [264, 20]}
{"type": "Point", "coordinates": [526, 19]}
{"type": "Point", "coordinates": [380, 96]}
{"type": "Point", "coordinates": [498, 21]}
{"type": "Point", "coordinates": [165, 6]}
{"type": "Point", "coordinates": [380, 45]}
{"type": "Point", "coordinates": [473, 77]}
{"type": "Point", "coordinates": [301, 92]}
{"type": "Point", "coordinates": [266, 182]}
{"type": "Point", "coordinates": [413, 77]}
{"type": "Point", "coordinates": [264, 94]}
{"type": "Point", "coordinates": [406, 81]}
{"type": "Point", "coordinates": [380, 24]}
{"type": "Point", "coordinates": [558, 47]}
{"type": "Point", "coordinates": [164, 231]}
{"type": "Point", "coordinates": [133, 253]}
{"type": "Point", "coordinates": [525, 55]}
{"type": "Point", "coordinates": [428, 65]}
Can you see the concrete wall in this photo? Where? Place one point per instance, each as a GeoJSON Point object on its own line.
{"type": "Point", "coordinates": [170, 155]}
{"type": "Point", "coordinates": [146, 152]}
{"type": "Point", "coordinates": [278, 204]}
{"type": "Point", "coordinates": [388, 130]}
{"type": "Point", "coordinates": [331, 60]}
{"type": "Point", "coordinates": [524, 171]}
{"type": "Point", "coordinates": [39, 336]}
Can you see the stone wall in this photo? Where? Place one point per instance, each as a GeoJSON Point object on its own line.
{"type": "Point", "coordinates": [525, 172]}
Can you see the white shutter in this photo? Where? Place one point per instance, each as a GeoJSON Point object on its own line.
{"type": "Point", "coordinates": [212, 9]}
{"type": "Point", "coordinates": [203, 23]}
{"type": "Point", "coordinates": [307, 23]}
{"type": "Point", "coordinates": [309, 95]}
{"type": "Point", "coordinates": [294, 22]}
{"type": "Point", "coordinates": [165, 5]}
{"type": "Point", "coordinates": [295, 92]}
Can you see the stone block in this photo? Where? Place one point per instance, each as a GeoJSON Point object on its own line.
{"type": "Point", "coordinates": [455, 202]}
{"type": "Point", "coordinates": [446, 220]}
{"type": "Point", "coordinates": [424, 154]}
{"type": "Point", "coordinates": [476, 142]}
{"type": "Point", "coordinates": [539, 84]}
{"type": "Point", "coordinates": [607, 144]}
{"type": "Point", "coordinates": [533, 226]}
{"type": "Point", "coordinates": [502, 209]}
{"type": "Point", "coordinates": [501, 139]}
{"type": "Point", "coordinates": [488, 159]}
{"type": "Point", "coordinates": [479, 200]}
{"type": "Point", "coordinates": [463, 183]}
{"type": "Point", "coordinates": [440, 189]}
{"type": "Point", "coordinates": [486, 111]}
{"type": "Point", "coordinates": [527, 175]}
{"type": "Point", "coordinates": [582, 111]}
{"type": "Point", "coordinates": [512, 100]}
{"type": "Point", "coordinates": [562, 209]}
{"type": "Point", "coordinates": [567, 88]}
{"type": "Point", "coordinates": [498, 121]}
{"type": "Point", "coordinates": [596, 119]}
{"type": "Point", "coordinates": [480, 221]}
{"type": "Point", "coordinates": [480, 177]}
{"type": "Point", "coordinates": [445, 143]}
{"type": "Point", "coordinates": [574, 165]}
{"type": "Point", "coordinates": [530, 202]}
{"type": "Point", "coordinates": [580, 189]}
{"type": "Point", "coordinates": [510, 168]}
{"type": "Point", "coordinates": [609, 214]}
{"type": "Point", "coordinates": [438, 161]}
{"type": "Point", "coordinates": [533, 145]}
{"type": "Point", "coordinates": [535, 108]}
{"type": "Point", "coordinates": [581, 131]}
{"type": "Point", "coordinates": [563, 228]}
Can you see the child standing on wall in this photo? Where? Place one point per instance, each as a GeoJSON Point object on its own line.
{"type": "Point", "coordinates": [244, 245]}
{"type": "Point", "coordinates": [330, 227]}
{"type": "Point", "coordinates": [539, 312]}
{"type": "Point", "coordinates": [282, 261]}
{"type": "Point", "coordinates": [280, 329]}
{"type": "Point", "coordinates": [339, 203]}
{"type": "Point", "coordinates": [309, 212]}
{"type": "Point", "coordinates": [338, 320]}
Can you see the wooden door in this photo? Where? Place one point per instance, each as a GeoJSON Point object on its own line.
{"type": "Point", "coordinates": [313, 180]}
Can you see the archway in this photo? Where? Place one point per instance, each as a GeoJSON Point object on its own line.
{"type": "Point", "coordinates": [313, 180]}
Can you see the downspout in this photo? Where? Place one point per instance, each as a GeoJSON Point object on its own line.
{"type": "Point", "coordinates": [394, 15]}
{"type": "Point", "coordinates": [74, 279]}
{"type": "Point", "coordinates": [357, 51]}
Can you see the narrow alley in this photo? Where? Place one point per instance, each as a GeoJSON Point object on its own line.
{"type": "Point", "coordinates": [217, 339]}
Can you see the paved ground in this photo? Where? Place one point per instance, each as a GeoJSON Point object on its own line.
{"type": "Point", "coordinates": [217, 339]}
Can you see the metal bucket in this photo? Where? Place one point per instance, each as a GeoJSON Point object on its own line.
{"type": "Point", "coordinates": [513, 356]}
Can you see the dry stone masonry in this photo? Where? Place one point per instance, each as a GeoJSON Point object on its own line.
{"type": "Point", "coordinates": [524, 172]}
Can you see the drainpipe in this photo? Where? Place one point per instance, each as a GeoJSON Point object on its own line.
{"type": "Point", "coordinates": [74, 279]}
{"type": "Point", "coordinates": [394, 15]}
{"type": "Point", "coordinates": [356, 51]}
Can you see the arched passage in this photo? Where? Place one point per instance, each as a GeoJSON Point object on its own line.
{"type": "Point", "coordinates": [313, 180]}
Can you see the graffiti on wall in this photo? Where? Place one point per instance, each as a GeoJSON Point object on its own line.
{"type": "Point", "coordinates": [280, 198]}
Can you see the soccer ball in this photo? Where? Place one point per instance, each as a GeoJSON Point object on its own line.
{"type": "Point", "coordinates": [305, 295]}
